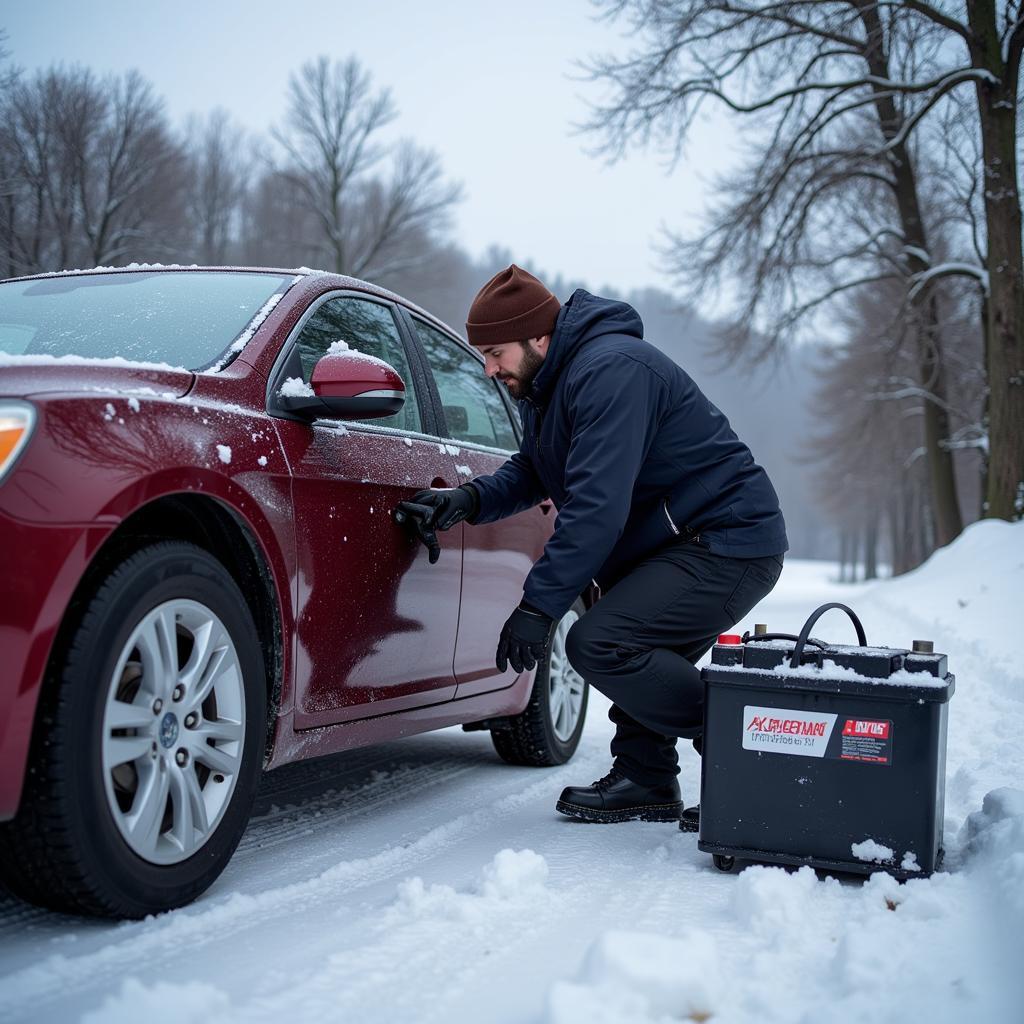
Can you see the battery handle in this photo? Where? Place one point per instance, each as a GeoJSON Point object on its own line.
{"type": "Point", "coordinates": [801, 641]}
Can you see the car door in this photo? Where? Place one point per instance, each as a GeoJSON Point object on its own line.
{"type": "Point", "coordinates": [376, 623]}
{"type": "Point", "coordinates": [496, 556]}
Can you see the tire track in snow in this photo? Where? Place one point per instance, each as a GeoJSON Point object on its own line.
{"type": "Point", "coordinates": [474, 935]}
{"type": "Point", "coordinates": [286, 824]}
{"type": "Point", "coordinates": [278, 825]}
{"type": "Point", "coordinates": [143, 946]}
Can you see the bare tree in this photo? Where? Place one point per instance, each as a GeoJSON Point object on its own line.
{"type": "Point", "coordinates": [869, 449]}
{"type": "Point", "coordinates": [8, 160]}
{"type": "Point", "coordinates": [44, 119]}
{"type": "Point", "coordinates": [994, 40]}
{"type": "Point", "coordinates": [363, 223]}
{"type": "Point", "coordinates": [130, 175]}
{"type": "Point", "coordinates": [836, 94]}
{"type": "Point", "coordinates": [91, 173]}
{"type": "Point", "coordinates": [217, 186]}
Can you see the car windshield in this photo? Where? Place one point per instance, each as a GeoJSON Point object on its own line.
{"type": "Point", "coordinates": [189, 318]}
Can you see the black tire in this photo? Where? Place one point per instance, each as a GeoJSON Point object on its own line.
{"type": "Point", "coordinates": [722, 862]}
{"type": "Point", "coordinates": [529, 738]}
{"type": "Point", "coordinates": [64, 850]}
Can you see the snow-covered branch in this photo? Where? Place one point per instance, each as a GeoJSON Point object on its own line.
{"type": "Point", "coordinates": [950, 269]}
{"type": "Point", "coordinates": [972, 436]}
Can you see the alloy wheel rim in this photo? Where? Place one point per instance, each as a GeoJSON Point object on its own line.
{"type": "Point", "coordinates": [173, 731]}
{"type": "Point", "coordinates": [565, 684]}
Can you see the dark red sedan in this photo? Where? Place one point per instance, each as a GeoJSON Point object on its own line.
{"type": "Point", "coordinates": [202, 578]}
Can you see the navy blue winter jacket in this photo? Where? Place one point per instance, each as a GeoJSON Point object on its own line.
{"type": "Point", "coordinates": [632, 454]}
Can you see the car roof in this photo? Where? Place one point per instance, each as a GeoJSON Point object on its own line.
{"type": "Point", "coordinates": [310, 273]}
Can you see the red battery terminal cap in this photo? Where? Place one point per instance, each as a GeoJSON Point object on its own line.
{"type": "Point", "coordinates": [730, 638]}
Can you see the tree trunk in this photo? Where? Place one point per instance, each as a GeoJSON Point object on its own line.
{"type": "Point", "coordinates": [871, 548]}
{"type": "Point", "coordinates": [930, 361]}
{"type": "Point", "coordinates": [944, 500]}
{"type": "Point", "coordinates": [895, 535]}
{"type": "Point", "coordinates": [997, 109]}
{"type": "Point", "coordinates": [911, 524]}
{"type": "Point", "coordinates": [985, 328]}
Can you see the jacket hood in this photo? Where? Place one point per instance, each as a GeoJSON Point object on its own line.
{"type": "Point", "coordinates": [583, 318]}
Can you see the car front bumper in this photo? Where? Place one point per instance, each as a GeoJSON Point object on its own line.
{"type": "Point", "coordinates": [42, 567]}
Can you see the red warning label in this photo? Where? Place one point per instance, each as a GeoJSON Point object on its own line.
{"type": "Point", "coordinates": [860, 727]}
{"type": "Point", "coordinates": [866, 740]}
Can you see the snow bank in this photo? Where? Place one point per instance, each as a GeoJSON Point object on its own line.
{"type": "Point", "coordinates": [510, 876]}
{"type": "Point", "coordinates": [793, 947]}
{"type": "Point", "coordinates": [973, 588]}
{"type": "Point", "coordinates": [512, 873]}
{"type": "Point", "coordinates": [637, 977]}
{"type": "Point", "coordinates": [193, 1002]}
{"type": "Point", "coordinates": [1001, 805]}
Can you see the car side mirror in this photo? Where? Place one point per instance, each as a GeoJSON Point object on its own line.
{"type": "Point", "coordinates": [347, 386]}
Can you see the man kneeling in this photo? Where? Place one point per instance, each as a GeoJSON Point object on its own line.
{"type": "Point", "coordinates": [658, 501]}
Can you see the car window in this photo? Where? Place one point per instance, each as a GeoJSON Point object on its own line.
{"type": "Point", "coordinates": [473, 408]}
{"type": "Point", "coordinates": [366, 327]}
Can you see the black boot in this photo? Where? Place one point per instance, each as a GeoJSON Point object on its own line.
{"type": "Point", "coordinates": [616, 798]}
{"type": "Point", "coordinates": [689, 820]}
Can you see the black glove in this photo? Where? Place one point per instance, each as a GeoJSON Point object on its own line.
{"type": "Point", "coordinates": [524, 638]}
{"type": "Point", "coordinates": [451, 505]}
{"type": "Point", "coordinates": [420, 517]}
{"type": "Point", "coordinates": [432, 510]}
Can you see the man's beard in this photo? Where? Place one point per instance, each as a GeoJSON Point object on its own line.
{"type": "Point", "coordinates": [519, 385]}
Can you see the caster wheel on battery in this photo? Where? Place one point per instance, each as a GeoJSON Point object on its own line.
{"type": "Point", "coordinates": [723, 863]}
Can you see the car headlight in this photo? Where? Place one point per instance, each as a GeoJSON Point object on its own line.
{"type": "Point", "coordinates": [17, 419]}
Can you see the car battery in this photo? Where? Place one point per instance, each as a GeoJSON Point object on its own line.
{"type": "Point", "coordinates": [824, 754]}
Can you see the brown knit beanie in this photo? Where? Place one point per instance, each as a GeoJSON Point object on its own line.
{"type": "Point", "coordinates": [512, 306]}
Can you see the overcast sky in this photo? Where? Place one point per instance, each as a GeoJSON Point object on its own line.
{"type": "Point", "coordinates": [488, 85]}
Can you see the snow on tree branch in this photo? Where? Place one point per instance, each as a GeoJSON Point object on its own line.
{"type": "Point", "coordinates": [920, 281]}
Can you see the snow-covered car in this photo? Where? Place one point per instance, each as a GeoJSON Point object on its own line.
{"type": "Point", "coordinates": [202, 578]}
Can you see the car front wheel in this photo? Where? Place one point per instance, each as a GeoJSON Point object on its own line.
{"type": "Point", "coordinates": [148, 744]}
{"type": "Point", "coordinates": [548, 731]}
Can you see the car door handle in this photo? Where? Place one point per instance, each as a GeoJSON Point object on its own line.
{"type": "Point", "coordinates": [546, 507]}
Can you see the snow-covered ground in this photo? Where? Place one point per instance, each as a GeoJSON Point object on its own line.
{"type": "Point", "coordinates": [424, 880]}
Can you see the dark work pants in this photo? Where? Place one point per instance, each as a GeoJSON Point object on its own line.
{"type": "Point", "coordinates": [638, 645]}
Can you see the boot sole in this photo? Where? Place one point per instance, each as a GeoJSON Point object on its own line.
{"type": "Point", "coordinates": [686, 825]}
{"type": "Point", "coordinates": [648, 812]}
